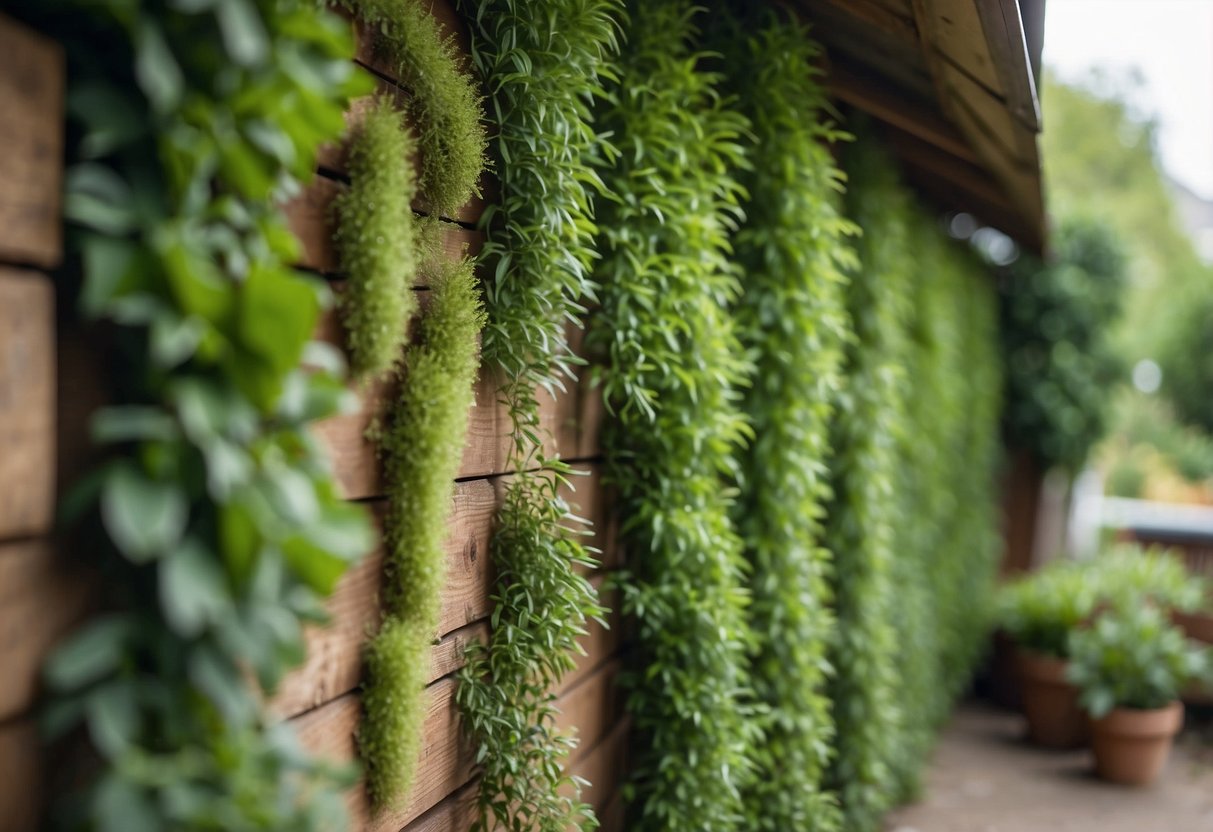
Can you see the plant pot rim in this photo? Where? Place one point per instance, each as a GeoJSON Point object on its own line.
{"type": "Point", "coordinates": [1042, 667]}
{"type": "Point", "coordinates": [1138, 722]}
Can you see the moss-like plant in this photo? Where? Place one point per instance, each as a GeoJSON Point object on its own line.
{"type": "Point", "coordinates": [421, 449]}
{"type": "Point", "coordinates": [673, 373]}
{"type": "Point", "coordinates": [543, 62]}
{"type": "Point", "coordinates": [792, 317]}
{"type": "Point", "coordinates": [444, 107]}
{"type": "Point", "coordinates": [375, 242]}
{"type": "Point", "coordinates": [863, 519]}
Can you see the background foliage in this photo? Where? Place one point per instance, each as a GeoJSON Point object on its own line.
{"type": "Point", "coordinates": [792, 319]}
{"type": "Point", "coordinates": [672, 376]}
{"type": "Point", "coordinates": [220, 527]}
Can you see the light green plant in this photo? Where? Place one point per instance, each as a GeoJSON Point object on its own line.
{"type": "Point", "coordinates": [215, 522]}
{"type": "Point", "coordinates": [1126, 575]}
{"type": "Point", "coordinates": [375, 242]}
{"type": "Point", "coordinates": [673, 375]}
{"type": "Point", "coordinates": [421, 449]}
{"type": "Point", "coordinates": [863, 519]}
{"type": "Point", "coordinates": [543, 62]}
{"type": "Point", "coordinates": [1133, 657]}
{"type": "Point", "coordinates": [443, 105]}
{"type": "Point", "coordinates": [792, 318]}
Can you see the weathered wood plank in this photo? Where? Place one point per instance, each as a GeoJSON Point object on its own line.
{"type": "Point", "coordinates": [31, 146]}
{"type": "Point", "coordinates": [40, 600]}
{"type": "Point", "coordinates": [592, 708]}
{"type": "Point", "coordinates": [27, 402]}
{"type": "Point", "coordinates": [20, 775]}
{"type": "Point", "coordinates": [455, 813]}
{"type": "Point", "coordinates": [605, 768]}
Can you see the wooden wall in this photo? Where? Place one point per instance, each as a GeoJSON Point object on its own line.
{"type": "Point", "coordinates": [40, 599]}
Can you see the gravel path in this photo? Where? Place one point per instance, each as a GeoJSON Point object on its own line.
{"type": "Point", "coordinates": [985, 778]}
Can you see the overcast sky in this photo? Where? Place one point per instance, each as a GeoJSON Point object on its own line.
{"type": "Point", "coordinates": [1171, 42]}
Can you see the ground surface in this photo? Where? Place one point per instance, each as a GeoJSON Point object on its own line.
{"type": "Point", "coordinates": [985, 778]}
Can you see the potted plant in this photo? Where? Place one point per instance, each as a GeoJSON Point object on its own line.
{"type": "Point", "coordinates": [1039, 613]}
{"type": "Point", "coordinates": [1130, 666]}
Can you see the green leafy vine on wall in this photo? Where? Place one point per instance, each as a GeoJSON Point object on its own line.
{"type": "Point", "coordinates": [220, 528]}
{"type": "Point", "coordinates": [673, 373]}
{"type": "Point", "coordinates": [543, 63]}
{"type": "Point", "coordinates": [792, 317]}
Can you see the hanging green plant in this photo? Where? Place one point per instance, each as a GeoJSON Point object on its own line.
{"type": "Point", "coordinates": [218, 527]}
{"type": "Point", "coordinates": [672, 376]}
{"type": "Point", "coordinates": [544, 62]}
{"type": "Point", "coordinates": [375, 242]}
{"type": "Point", "coordinates": [862, 517]}
{"type": "Point", "coordinates": [444, 106]}
{"type": "Point", "coordinates": [792, 318]}
{"type": "Point", "coordinates": [421, 449]}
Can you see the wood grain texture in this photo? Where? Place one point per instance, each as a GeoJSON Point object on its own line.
{"type": "Point", "coordinates": [27, 403]}
{"type": "Point", "coordinates": [40, 599]}
{"type": "Point", "coordinates": [31, 146]}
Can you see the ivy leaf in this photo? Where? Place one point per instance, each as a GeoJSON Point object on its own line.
{"type": "Point", "coordinates": [119, 805]}
{"type": "Point", "coordinates": [193, 589]}
{"type": "Point", "coordinates": [316, 566]}
{"type": "Point", "coordinates": [243, 33]}
{"type": "Point", "coordinates": [131, 423]}
{"type": "Point", "coordinates": [87, 656]}
{"type": "Point", "coordinates": [156, 70]}
{"type": "Point", "coordinates": [97, 197]}
{"type": "Point", "coordinates": [113, 717]}
{"type": "Point", "coordinates": [143, 517]}
{"type": "Point", "coordinates": [222, 683]}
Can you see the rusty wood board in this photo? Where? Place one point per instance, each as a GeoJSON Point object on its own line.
{"type": "Point", "coordinates": [31, 146]}
{"type": "Point", "coordinates": [27, 403]}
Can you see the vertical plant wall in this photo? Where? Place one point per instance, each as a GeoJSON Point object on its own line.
{"type": "Point", "coordinates": [673, 373]}
{"type": "Point", "coordinates": [544, 63]}
{"type": "Point", "coordinates": [793, 249]}
{"type": "Point", "coordinates": [220, 529]}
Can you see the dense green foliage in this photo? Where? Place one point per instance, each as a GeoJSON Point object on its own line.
{"type": "Point", "coordinates": [792, 318]}
{"type": "Point", "coordinates": [1184, 351]}
{"type": "Point", "coordinates": [672, 376]}
{"type": "Point", "coordinates": [220, 527]}
{"type": "Point", "coordinates": [543, 64]}
{"type": "Point", "coordinates": [421, 448]}
{"type": "Point", "coordinates": [1133, 657]}
{"type": "Point", "coordinates": [375, 241]}
{"type": "Point", "coordinates": [1055, 320]}
{"type": "Point", "coordinates": [916, 433]}
{"type": "Point", "coordinates": [444, 106]}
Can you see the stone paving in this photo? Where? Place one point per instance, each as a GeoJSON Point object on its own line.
{"type": "Point", "coordinates": [985, 778]}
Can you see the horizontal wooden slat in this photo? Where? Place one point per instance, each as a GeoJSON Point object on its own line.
{"type": "Point", "coordinates": [455, 813]}
{"type": "Point", "coordinates": [592, 707]}
{"type": "Point", "coordinates": [605, 768]}
{"type": "Point", "coordinates": [20, 775]}
{"type": "Point", "coordinates": [31, 146]}
{"type": "Point", "coordinates": [40, 600]}
{"type": "Point", "coordinates": [27, 401]}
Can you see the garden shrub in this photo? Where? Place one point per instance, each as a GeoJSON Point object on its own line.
{"type": "Point", "coordinates": [375, 241]}
{"type": "Point", "coordinates": [544, 63]}
{"type": "Point", "coordinates": [792, 318]}
{"type": "Point", "coordinates": [220, 529]}
{"type": "Point", "coordinates": [444, 106]}
{"type": "Point", "coordinates": [421, 449]}
{"type": "Point", "coordinates": [672, 375]}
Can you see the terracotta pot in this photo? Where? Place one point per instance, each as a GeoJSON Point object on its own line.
{"type": "Point", "coordinates": [1131, 746]}
{"type": "Point", "coordinates": [1050, 702]}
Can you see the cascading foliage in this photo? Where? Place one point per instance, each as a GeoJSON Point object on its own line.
{"type": "Point", "coordinates": [421, 449]}
{"type": "Point", "coordinates": [863, 517]}
{"type": "Point", "coordinates": [793, 250]}
{"type": "Point", "coordinates": [672, 376]}
{"type": "Point", "coordinates": [383, 246]}
{"type": "Point", "coordinates": [543, 63]}
{"type": "Point", "coordinates": [220, 527]}
{"type": "Point", "coordinates": [443, 106]}
{"type": "Point", "coordinates": [375, 242]}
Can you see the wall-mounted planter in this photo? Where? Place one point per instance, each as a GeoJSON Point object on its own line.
{"type": "Point", "coordinates": [1050, 702]}
{"type": "Point", "coordinates": [1131, 746]}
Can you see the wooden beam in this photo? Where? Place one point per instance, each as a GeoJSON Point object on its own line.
{"type": "Point", "coordinates": [1009, 50]}
{"type": "Point", "coordinates": [865, 12]}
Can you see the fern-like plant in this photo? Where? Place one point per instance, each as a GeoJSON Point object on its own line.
{"type": "Point", "coordinates": [444, 106]}
{"type": "Point", "coordinates": [375, 242]}
{"type": "Point", "coordinates": [421, 449]}
{"type": "Point", "coordinates": [673, 373]}
{"type": "Point", "coordinates": [792, 317]}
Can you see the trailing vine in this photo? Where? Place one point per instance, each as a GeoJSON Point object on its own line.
{"type": "Point", "coordinates": [862, 517]}
{"type": "Point", "coordinates": [375, 240]}
{"type": "Point", "coordinates": [421, 449]}
{"type": "Point", "coordinates": [219, 526]}
{"type": "Point", "coordinates": [793, 319]}
{"type": "Point", "coordinates": [543, 63]}
{"type": "Point", "coordinates": [444, 107]}
{"type": "Point", "coordinates": [673, 372]}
